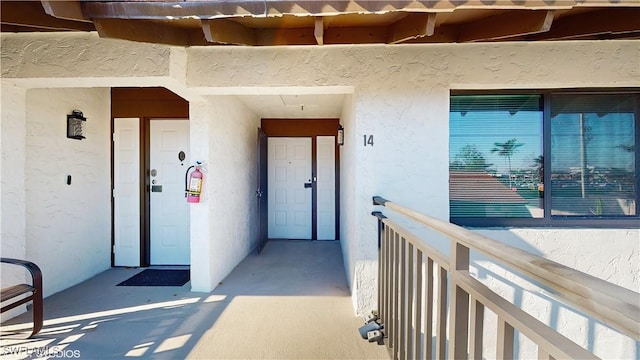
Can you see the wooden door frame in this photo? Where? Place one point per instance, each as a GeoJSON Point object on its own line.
{"type": "Point", "coordinates": [261, 191]}
{"type": "Point", "coordinates": [145, 104]}
{"type": "Point", "coordinates": [311, 128]}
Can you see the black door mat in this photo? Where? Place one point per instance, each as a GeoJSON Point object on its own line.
{"type": "Point", "coordinates": [158, 277]}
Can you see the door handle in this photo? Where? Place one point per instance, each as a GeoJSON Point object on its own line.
{"type": "Point", "coordinates": [308, 185]}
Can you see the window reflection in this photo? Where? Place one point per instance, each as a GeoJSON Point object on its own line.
{"type": "Point", "coordinates": [496, 156]}
{"type": "Point", "coordinates": [593, 155]}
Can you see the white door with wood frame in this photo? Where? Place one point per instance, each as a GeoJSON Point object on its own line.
{"type": "Point", "coordinates": [289, 190]}
{"type": "Point", "coordinates": [169, 210]}
{"type": "Point", "coordinates": [126, 191]}
{"type": "Point", "coordinates": [169, 213]}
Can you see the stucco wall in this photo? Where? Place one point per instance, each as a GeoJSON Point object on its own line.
{"type": "Point", "coordinates": [224, 224]}
{"type": "Point", "coordinates": [68, 227]}
{"type": "Point", "coordinates": [49, 55]}
{"type": "Point", "coordinates": [400, 96]}
{"type": "Point", "coordinates": [12, 192]}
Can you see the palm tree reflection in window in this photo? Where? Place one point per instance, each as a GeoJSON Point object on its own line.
{"type": "Point", "coordinates": [507, 149]}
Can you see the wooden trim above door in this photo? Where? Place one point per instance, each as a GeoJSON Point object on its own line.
{"type": "Point", "coordinates": [300, 127]}
{"type": "Point", "coordinates": [154, 102]}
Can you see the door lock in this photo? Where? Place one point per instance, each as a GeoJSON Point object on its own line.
{"type": "Point", "coordinates": [308, 185]}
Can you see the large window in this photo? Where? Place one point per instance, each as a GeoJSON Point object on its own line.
{"type": "Point", "coordinates": [541, 159]}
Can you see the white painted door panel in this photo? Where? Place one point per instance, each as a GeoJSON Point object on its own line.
{"type": "Point", "coordinates": [289, 202]}
{"type": "Point", "coordinates": [126, 192]}
{"type": "Point", "coordinates": [326, 187]}
{"type": "Point", "coordinates": [169, 211]}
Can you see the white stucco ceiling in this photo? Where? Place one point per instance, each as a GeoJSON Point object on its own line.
{"type": "Point", "coordinates": [295, 106]}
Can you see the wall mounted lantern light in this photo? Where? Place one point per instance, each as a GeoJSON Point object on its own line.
{"type": "Point", "coordinates": [75, 125]}
{"type": "Point", "coordinates": [340, 135]}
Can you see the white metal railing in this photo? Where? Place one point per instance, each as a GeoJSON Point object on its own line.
{"type": "Point", "coordinates": [412, 296]}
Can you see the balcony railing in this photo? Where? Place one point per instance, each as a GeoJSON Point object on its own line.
{"type": "Point", "coordinates": [419, 287]}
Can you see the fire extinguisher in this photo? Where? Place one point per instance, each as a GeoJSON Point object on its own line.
{"type": "Point", "coordinates": [193, 183]}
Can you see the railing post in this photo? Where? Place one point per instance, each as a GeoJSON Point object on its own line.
{"type": "Point", "coordinates": [402, 308]}
{"type": "Point", "coordinates": [417, 335]}
{"type": "Point", "coordinates": [459, 307]}
{"type": "Point", "coordinates": [441, 320]}
{"type": "Point", "coordinates": [396, 298]}
{"type": "Point", "coordinates": [380, 217]}
{"type": "Point", "coordinates": [410, 302]}
{"type": "Point", "coordinates": [504, 349]}
{"type": "Point", "coordinates": [476, 328]}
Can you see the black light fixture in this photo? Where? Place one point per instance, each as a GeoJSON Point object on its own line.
{"type": "Point", "coordinates": [75, 125]}
{"type": "Point", "coordinates": [340, 135]}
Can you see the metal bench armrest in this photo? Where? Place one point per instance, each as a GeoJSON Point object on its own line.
{"type": "Point", "coordinates": [36, 283]}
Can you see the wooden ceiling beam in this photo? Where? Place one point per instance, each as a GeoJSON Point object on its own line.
{"type": "Point", "coordinates": [332, 35]}
{"type": "Point", "coordinates": [223, 31]}
{"type": "Point", "coordinates": [318, 31]}
{"type": "Point", "coordinates": [69, 10]}
{"type": "Point", "coordinates": [160, 10]}
{"type": "Point", "coordinates": [148, 31]}
{"type": "Point", "coordinates": [356, 35]}
{"type": "Point", "coordinates": [442, 34]}
{"type": "Point", "coordinates": [593, 23]}
{"type": "Point", "coordinates": [30, 14]}
{"type": "Point", "coordinates": [286, 36]}
{"type": "Point", "coordinates": [507, 25]}
{"type": "Point", "coordinates": [412, 26]}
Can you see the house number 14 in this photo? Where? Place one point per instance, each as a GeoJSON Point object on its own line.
{"type": "Point", "coordinates": [368, 140]}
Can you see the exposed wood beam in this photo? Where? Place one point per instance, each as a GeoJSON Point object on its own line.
{"type": "Point", "coordinates": [70, 10]}
{"type": "Point", "coordinates": [510, 24]}
{"type": "Point", "coordinates": [30, 14]}
{"type": "Point", "coordinates": [224, 31]}
{"type": "Point", "coordinates": [442, 34]}
{"type": "Point", "coordinates": [412, 26]}
{"type": "Point", "coordinates": [356, 35]}
{"type": "Point", "coordinates": [593, 23]}
{"type": "Point", "coordinates": [206, 9]}
{"type": "Point", "coordinates": [160, 10]}
{"type": "Point", "coordinates": [318, 31]}
{"type": "Point", "coordinates": [286, 36]}
{"type": "Point", "coordinates": [147, 31]}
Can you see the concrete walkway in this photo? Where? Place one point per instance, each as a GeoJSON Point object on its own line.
{"type": "Point", "coordinates": [290, 302]}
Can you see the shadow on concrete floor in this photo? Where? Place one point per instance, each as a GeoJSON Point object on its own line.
{"type": "Point", "coordinates": [289, 302]}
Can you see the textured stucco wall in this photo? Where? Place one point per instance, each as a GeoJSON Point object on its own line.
{"type": "Point", "coordinates": [12, 192]}
{"type": "Point", "coordinates": [52, 55]}
{"type": "Point", "coordinates": [68, 227]}
{"type": "Point", "coordinates": [348, 192]}
{"type": "Point", "coordinates": [398, 67]}
{"type": "Point", "coordinates": [399, 95]}
{"type": "Point", "coordinates": [224, 224]}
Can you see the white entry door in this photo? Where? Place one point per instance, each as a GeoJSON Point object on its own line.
{"type": "Point", "coordinates": [126, 191]}
{"type": "Point", "coordinates": [289, 199]}
{"type": "Point", "coordinates": [326, 187]}
{"type": "Point", "coordinates": [169, 210]}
